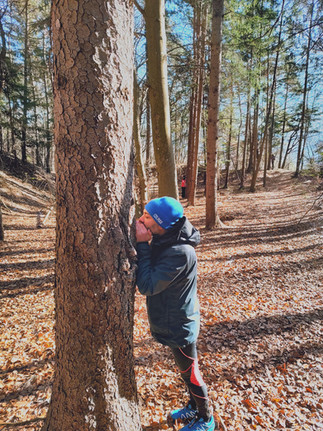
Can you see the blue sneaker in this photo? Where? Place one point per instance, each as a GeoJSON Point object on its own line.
{"type": "Point", "coordinates": [199, 424]}
{"type": "Point", "coordinates": [184, 414]}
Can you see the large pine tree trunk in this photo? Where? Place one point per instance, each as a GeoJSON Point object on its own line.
{"type": "Point", "coordinates": [159, 100]}
{"type": "Point", "coordinates": [212, 218]}
{"type": "Point", "coordinates": [94, 385]}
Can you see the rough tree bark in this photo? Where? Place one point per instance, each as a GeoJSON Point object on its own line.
{"type": "Point", "coordinates": [94, 385]}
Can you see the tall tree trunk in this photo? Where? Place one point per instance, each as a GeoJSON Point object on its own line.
{"type": "Point", "coordinates": [254, 135]}
{"type": "Point", "coordinates": [200, 17]}
{"type": "Point", "coordinates": [148, 131]}
{"type": "Point", "coordinates": [154, 15]}
{"type": "Point", "coordinates": [228, 149]}
{"type": "Point", "coordinates": [246, 139]}
{"type": "Point", "coordinates": [25, 91]}
{"type": "Point", "coordinates": [48, 134]}
{"type": "Point", "coordinates": [271, 133]}
{"type": "Point", "coordinates": [3, 54]}
{"type": "Point", "coordinates": [288, 149]}
{"type": "Point", "coordinates": [305, 91]}
{"type": "Point", "coordinates": [136, 137]}
{"type": "Point", "coordinates": [36, 139]}
{"type": "Point", "coordinates": [264, 180]}
{"type": "Point", "coordinates": [283, 128]}
{"type": "Point", "coordinates": [269, 111]}
{"type": "Point", "coordinates": [212, 218]}
{"type": "Point", "coordinates": [270, 150]}
{"type": "Point", "coordinates": [94, 384]}
{"type": "Point", "coordinates": [12, 126]}
{"type": "Point", "coordinates": [239, 131]}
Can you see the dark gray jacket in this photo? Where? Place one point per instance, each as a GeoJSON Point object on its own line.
{"type": "Point", "coordinates": [167, 276]}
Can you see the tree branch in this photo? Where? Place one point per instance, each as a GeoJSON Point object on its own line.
{"type": "Point", "coordinates": [320, 197]}
{"type": "Point", "coordinates": [141, 10]}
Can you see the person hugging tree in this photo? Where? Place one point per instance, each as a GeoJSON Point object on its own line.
{"type": "Point", "coordinates": [167, 276]}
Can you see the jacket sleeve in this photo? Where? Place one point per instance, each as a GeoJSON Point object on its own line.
{"type": "Point", "coordinates": [152, 280]}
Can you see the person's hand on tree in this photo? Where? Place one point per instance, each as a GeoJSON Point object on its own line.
{"type": "Point", "coordinates": [142, 233]}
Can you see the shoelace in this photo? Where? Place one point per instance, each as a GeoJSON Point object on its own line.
{"type": "Point", "coordinates": [194, 421]}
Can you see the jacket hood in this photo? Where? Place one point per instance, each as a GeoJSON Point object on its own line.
{"type": "Point", "coordinates": [183, 232]}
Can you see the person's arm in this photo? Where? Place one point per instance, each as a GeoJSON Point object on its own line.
{"type": "Point", "coordinates": [153, 280]}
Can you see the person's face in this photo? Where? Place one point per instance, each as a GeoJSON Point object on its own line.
{"type": "Point", "coordinates": [150, 224]}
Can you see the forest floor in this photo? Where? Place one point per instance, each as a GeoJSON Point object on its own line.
{"type": "Point", "coordinates": [260, 288]}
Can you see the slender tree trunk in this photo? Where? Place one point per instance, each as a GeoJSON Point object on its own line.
{"type": "Point", "coordinates": [12, 126]}
{"type": "Point", "coordinates": [275, 86]}
{"type": "Point", "coordinates": [305, 91]}
{"type": "Point", "coordinates": [136, 137]}
{"type": "Point", "coordinates": [239, 132]}
{"type": "Point", "coordinates": [228, 149]}
{"type": "Point", "coordinates": [200, 14]}
{"type": "Point", "coordinates": [246, 134]}
{"type": "Point", "coordinates": [268, 114]}
{"type": "Point", "coordinates": [283, 128]}
{"type": "Point", "coordinates": [148, 131]}
{"type": "Point", "coordinates": [94, 384]}
{"type": "Point", "coordinates": [25, 92]}
{"type": "Point", "coordinates": [212, 218]}
{"type": "Point", "coordinates": [35, 140]}
{"type": "Point", "coordinates": [265, 164]}
{"type": "Point", "coordinates": [271, 133]}
{"type": "Point", "coordinates": [254, 135]}
{"type": "Point", "coordinates": [289, 148]}
{"type": "Point", "coordinates": [154, 14]}
{"type": "Point", "coordinates": [148, 122]}
{"type": "Point", "coordinates": [48, 115]}
{"type": "Point", "coordinates": [191, 136]}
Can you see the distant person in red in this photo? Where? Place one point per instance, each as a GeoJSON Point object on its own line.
{"type": "Point", "coordinates": [184, 187]}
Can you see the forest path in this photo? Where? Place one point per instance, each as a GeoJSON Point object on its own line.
{"type": "Point", "coordinates": [260, 288]}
